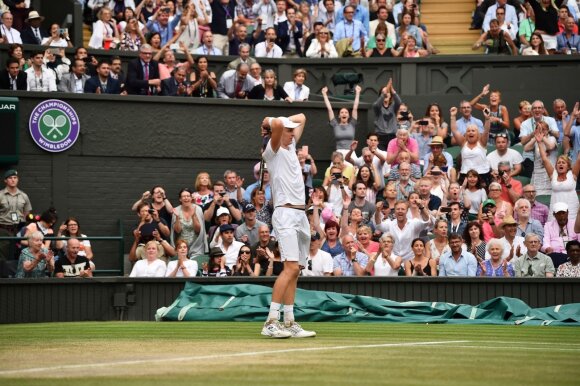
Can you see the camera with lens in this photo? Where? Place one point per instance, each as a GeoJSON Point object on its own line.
{"type": "Point", "coordinates": [222, 193]}
{"type": "Point", "coordinates": [151, 211]}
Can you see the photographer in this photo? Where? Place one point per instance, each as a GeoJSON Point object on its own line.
{"type": "Point", "coordinates": [58, 37]}
{"type": "Point", "coordinates": [220, 200]}
{"type": "Point", "coordinates": [150, 227]}
{"type": "Point", "coordinates": [268, 48]}
{"type": "Point", "coordinates": [511, 189]}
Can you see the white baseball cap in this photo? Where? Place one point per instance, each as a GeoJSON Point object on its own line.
{"type": "Point", "coordinates": [560, 207]}
{"type": "Point", "coordinates": [288, 123]}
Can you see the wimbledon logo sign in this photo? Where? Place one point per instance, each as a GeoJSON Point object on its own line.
{"type": "Point", "coordinates": [54, 125]}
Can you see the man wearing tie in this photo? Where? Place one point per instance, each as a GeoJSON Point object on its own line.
{"type": "Point", "coordinates": [33, 33]}
{"type": "Point", "coordinates": [235, 84]}
{"type": "Point", "coordinates": [12, 78]}
{"type": "Point", "coordinates": [297, 90]}
{"type": "Point", "coordinates": [143, 73]}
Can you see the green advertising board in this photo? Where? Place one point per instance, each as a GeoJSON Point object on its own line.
{"type": "Point", "coordinates": [9, 144]}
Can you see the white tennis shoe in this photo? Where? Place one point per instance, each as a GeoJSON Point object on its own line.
{"type": "Point", "coordinates": [297, 331]}
{"type": "Point", "coordinates": [274, 329]}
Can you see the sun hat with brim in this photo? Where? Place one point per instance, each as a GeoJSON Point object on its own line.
{"type": "Point", "coordinates": [508, 220]}
{"type": "Point", "coordinates": [436, 141]}
{"type": "Point", "coordinates": [33, 15]}
{"type": "Point", "coordinates": [216, 251]}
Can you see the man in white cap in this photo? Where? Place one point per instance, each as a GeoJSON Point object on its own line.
{"type": "Point", "coordinates": [557, 233]}
{"type": "Point", "coordinates": [289, 221]}
{"type": "Point", "coordinates": [33, 33]}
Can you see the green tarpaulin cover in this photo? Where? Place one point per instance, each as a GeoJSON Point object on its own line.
{"type": "Point", "coordinates": [250, 303]}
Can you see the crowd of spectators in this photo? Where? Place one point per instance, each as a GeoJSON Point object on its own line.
{"type": "Point", "coordinates": [527, 27]}
{"type": "Point", "coordinates": [158, 29]}
{"type": "Point", "coordinates": [425, 196]}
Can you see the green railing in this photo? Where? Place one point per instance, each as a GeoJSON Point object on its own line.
{"type": "Point", "coordinates": [98, 272]}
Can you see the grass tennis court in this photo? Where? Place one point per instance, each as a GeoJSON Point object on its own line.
{"type": "Point", "coordinates": [230, 353]}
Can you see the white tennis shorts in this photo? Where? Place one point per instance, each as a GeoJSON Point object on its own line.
{"type": "Point", "coordinates": [292, 231]}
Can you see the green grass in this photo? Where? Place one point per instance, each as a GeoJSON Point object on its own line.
{"type": "Point", "coordinates": [218, 353]}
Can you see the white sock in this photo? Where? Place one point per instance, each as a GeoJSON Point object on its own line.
{"type": "Point", "coordinates": [288, 313]}
{"type": "Point", "coordinates": [274, 311]}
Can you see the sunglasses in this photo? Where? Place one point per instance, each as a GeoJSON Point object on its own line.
{"type": "Point", "coordinates": [245, 252]}
{"type": "Point", "coordinates": [380, 40]}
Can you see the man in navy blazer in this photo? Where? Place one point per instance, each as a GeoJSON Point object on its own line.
{"type": "Point", "coordinates": [13, 76]}
{"type": "Point", "coordinates": [176, 85]}
{"type": "Point", "coordinates": [288, 34]}
{"type": "Point", "coordinates": [102, 83]}
{"type": "Point", "coordinates": [143, 74]}
{"type": "Point", "coordinates": [33, 33]}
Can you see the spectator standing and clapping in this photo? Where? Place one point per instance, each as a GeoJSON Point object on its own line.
{"type": "Point", "coordinates": [350, 35]}
{"type": "Point", "coordinates": [72, 264]}
{"type": "Point", "coordinates": [383, 262]}
{"type": "Point", "coordinates": [223, 14]}
{"type": "Point", "coordinates": [321, 46]}
{"type": "Point", "coordinates": [143, 73]}
{"type": "Point", "coordinates": [203, 81]}
{"type": "Point", "coordinates": [35, 261]}
{"type": "Point", "coordinates": [329, 14]}
{"type": "Point", "coordinates": [404, 230]}
{"type": "Point", "coordinates": [183, 266]}
{"type": "Point", "coordinates": [533, 263]}
{"type": "Point", "coordinates": [191, 21]}
{"type": "Point", "coordinates": [248, 231]}
{"type": "Point", "coordinates": [187, 224]}
{"type": "Point", "coordinates": [289, 35]}
{"type": "Point", "coordinates": [33, 33]}
{"type": "Point", "coordinates": [149, 263]}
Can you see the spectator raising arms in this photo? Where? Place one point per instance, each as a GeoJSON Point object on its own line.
{"type": "Point", "coordinates": [344, 127]}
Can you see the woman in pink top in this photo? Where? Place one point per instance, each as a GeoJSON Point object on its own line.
{"type": "Point", "coordinates": [402, 143]}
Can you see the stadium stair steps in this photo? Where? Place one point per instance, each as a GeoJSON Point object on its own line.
{"type": "Point", "coordinates": [86, 35]}
{"type": "Point", "coordinates": [448, 23]}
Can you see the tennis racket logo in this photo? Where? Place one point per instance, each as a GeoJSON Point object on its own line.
{"type": "Point", "coordinates": [54, 126]}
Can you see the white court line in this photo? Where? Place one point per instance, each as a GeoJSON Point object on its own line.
{"type": "Point", "coordinates": [517, 348]}
{"type": "Point", "coordinates": [221, 356]}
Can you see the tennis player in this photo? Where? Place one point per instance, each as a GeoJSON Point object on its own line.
{"type": "Point", "coordinates": [289, 220]}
